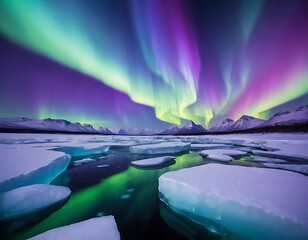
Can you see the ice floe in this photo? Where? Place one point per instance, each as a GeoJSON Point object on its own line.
{"type": "Point", "coordinates": [240, 202]}
{"type": "Point", "coordinates": [161, 148]}
{"type": "Point", "coordinates": [28, 199]}
{"type": "Point", "coordinates": [79, 149]}
{"type": "Point", "coordinates": [208, 146]}
{"type": "Point", "coordinates": [91, 229]}
{"type": "Point", "coordinates": [20, 167]}
{"type": "Point", "coordinates": [224, 155]}
{"type": "Point", "coordinates": [152, 162]}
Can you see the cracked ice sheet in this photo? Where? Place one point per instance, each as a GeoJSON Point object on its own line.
{"type": "Point", "coordinates": [243, 202]}
{"type": "Point", "coordinates": [151, 162]}
{"type": "Point", "coordinates": [91, 229]}
{"type": "Point", "coordinates": [25, 166]}
{"type": "Point", "coordinates": [29, 199]}
{"type": "Point", "coordinates": [223, 155]}
{"type": "Point", "coordinates": [160, 148]}
{"type": "Point", "coordinates": [300, 168]}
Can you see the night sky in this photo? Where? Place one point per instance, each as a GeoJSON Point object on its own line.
{"type": "Point", "coordinates": [152, 63]}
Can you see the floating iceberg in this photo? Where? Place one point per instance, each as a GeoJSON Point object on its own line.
{"type": "Point", "coordinates": [161, 148]}
{"type": "Point", "coordinates": [26, 166]}
{"type": "Point", "coordinates": [152, 162]}
{"type": "Point", "coordinates": [240, 202]}
{"type": "Point", "coordinates": [29, 204]}
{"type": "Point", "coordinates": [91, 229]}
{"type": "Point", "coordinates": [224, 155]}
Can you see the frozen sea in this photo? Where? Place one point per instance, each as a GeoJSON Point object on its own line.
{"type": "Point", "coordinates": [105, 179]}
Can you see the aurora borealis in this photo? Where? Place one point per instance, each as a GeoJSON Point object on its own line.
{"type": "Point", "coordinates": [149, 63]}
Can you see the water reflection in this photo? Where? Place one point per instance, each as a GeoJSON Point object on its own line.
{"type": "Point", "coordinates": [137, 216]}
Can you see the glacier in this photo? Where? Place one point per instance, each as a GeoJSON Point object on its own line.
{"type": "Point", "coordinates": [240, 202]}
{"type": "Point", "coordinates": [92, 229]}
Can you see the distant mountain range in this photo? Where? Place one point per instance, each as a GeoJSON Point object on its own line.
{"type": "Point", "coordinates": [137, 131]}
{"type": "Point", "coordinates": [45, 125]}
{"type": "Point", "coordinates": [283, 118]}
{"type": "Point", "coordinates": [246, 123]}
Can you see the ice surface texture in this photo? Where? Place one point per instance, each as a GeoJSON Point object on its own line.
{"type": "Point", "coordinates": [208, 146]}
{"type": "Point", "coordinates": [160, 148]}
{"type": "Point", "coordinates": [28, 199]}
{"type": "Point", "coordinates": [92, 229]}
{"type": "Point", "coordinates": [21, 167]}
{"type": "Point", "coordinates": [242, 202]}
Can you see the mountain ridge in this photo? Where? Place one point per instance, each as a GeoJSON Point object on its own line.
{"type": "Point", "coordinates": [286, 118]}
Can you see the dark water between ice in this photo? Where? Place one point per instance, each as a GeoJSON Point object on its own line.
{"type": "Point", "coordinates": [111, 186]}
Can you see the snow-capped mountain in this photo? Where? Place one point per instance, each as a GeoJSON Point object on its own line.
{"type": "Point", "coordinates": [148, 131]}
{"type": "Point", "coordinates": [134, 131]}
{"type": "Point", "coordinates": [223, 126]}
{"type": "Point", "coordinates": [171, 130]}
{"type": "Point", "coordinates": [88, 128]}
{"type": "Point", "coordinates": [245, 122]}
{"type": "Point", "coordinates": [118, 131]}
{"type": "Point", "coordinates": [55, 125]}
{"type": "Point", "coordinates": [283, 118]}
{"type": "Point", "coordinates": [104, 130]}
{"type": "Point", "coordinates": [191, 128]}
{"type": "Point", "coordinates": [140, 131]}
